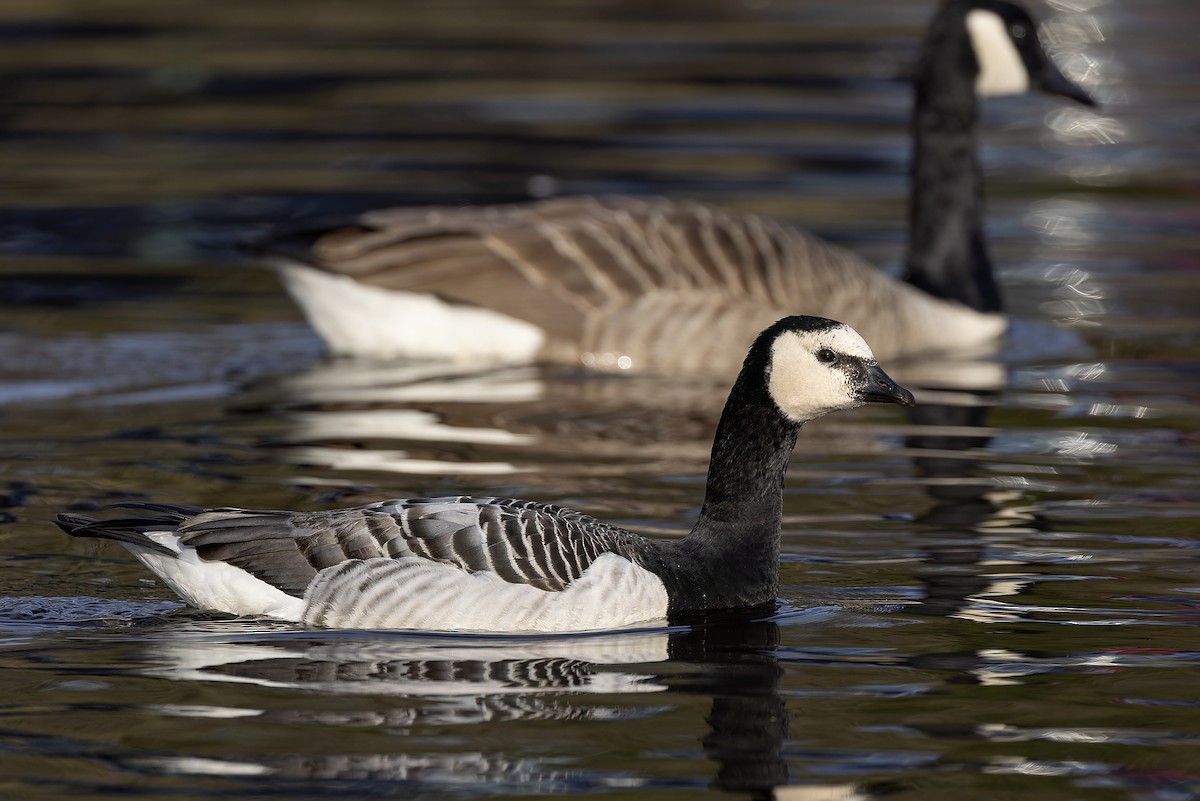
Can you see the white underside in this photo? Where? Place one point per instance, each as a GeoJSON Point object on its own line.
{"type": "Point", "coordinates": [214, 585]}
{"type": "Point", "coordinates": [418, 594]}
{"type": "Point", "coordinates": [359, 320]}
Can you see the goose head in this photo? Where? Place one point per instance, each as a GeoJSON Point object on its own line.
{"type": "Point", "coordinates": [1008, 55]}
{"type": "Point", "coordinates": [816, 366]}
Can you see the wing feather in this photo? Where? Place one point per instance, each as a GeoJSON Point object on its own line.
{"type": "Point", "coordinates": [541, 545]}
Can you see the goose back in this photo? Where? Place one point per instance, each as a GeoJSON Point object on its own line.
{"type": "Point", "coordinates": [522, 542]}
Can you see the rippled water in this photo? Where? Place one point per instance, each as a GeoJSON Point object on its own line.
{"type": "Point", "coordinates": [996, 597]}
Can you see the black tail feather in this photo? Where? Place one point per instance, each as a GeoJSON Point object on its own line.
{"type": "Point", "coordinates": [178, 512]}
{"type": "Point", "coordinates": [296, 241]}
{"type": "Point", "coordinates": [131, 530]}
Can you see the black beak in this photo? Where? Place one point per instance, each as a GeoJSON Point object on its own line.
{"type": "Point", "coordinates": [881, 389]}
{"type": "Point", "coordinates": [1050, 79]}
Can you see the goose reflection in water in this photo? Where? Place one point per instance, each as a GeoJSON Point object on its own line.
{"type": "Point", "coordinates": [978, 528]}
{"type": "Point", "coordinates": [969, 564]}
{"type": "Point", "coordinates": [418, 680]}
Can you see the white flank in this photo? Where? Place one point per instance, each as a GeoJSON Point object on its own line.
{"type": "Point", "coordinates": [214, 586]}
{"type": "Point", "coordinates": [1001, 69]}
{"type": "Point", "coordinates": [359, 320]}
{"type": "Point", "coordinates": [945, 327]}
{"type": "Point", "coordinates": [419, 594]}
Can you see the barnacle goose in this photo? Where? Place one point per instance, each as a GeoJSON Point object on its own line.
{"type": "Point", "coordinates": [629, 283]}
{"type": "Point", "coordinates": [498, 564]}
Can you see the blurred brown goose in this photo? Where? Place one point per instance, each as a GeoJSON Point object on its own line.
{"type": "Point", "coordinates": [621, 283]}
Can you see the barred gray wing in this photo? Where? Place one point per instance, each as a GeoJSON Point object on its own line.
{"type": "Point", "coordinates": [522, 542]}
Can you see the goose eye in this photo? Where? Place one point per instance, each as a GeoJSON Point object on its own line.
{"type": "Point", "coordinates": [826, 355]}
{"type": "Point", "coordinates": [1018, 31]}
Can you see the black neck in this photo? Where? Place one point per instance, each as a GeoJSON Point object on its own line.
{"type": "Point", "coordinates": [731, 556]}
{"type": "Point", "coordinates": [947, 253]}
{"type": "Point", "coordinates": [750, 455]}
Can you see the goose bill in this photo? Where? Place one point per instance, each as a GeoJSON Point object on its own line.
{"type": "Point", "coordinates": [882, 389]}
{"type": "Point", "coordinates": [1053, 81]}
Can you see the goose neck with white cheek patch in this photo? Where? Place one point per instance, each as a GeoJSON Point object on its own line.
{"type": "Point", "coordinates": [813, 373]}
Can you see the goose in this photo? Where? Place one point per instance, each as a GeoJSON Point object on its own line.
{"type": "Point", "coordinates": [626, 283]}
{"type": "Point", "coordinates": [506, 565]}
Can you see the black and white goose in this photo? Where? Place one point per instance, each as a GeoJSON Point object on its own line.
{"type": "Point", "coordinates": [493, 564]}
{"type": "Point", "coordinates": [629, 283]}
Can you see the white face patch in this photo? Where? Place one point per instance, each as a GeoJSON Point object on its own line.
{"type": "Point", "coordinates": [1001, 69]}
{"type": "Point", "coordinates": [803, 386]}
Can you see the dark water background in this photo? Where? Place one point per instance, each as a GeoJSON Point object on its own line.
{"type": "Point", "coordinates": [996, 601]}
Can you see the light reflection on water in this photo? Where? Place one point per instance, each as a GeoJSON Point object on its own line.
{"type": "Point", "coordinates": [998, 592]}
